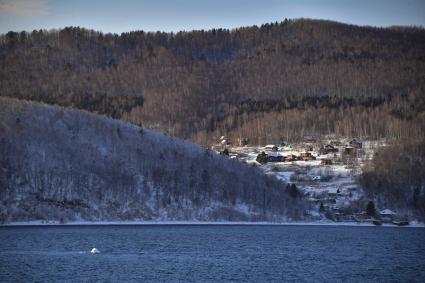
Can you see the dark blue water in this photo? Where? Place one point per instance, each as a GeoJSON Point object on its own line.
{"type": "Point", "coordinates": [212, 254]}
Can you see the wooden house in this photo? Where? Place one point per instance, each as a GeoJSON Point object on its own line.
{"type": "Point", "coordinates": [335, 143]}
{"type": "Point", "coordinates": [271, 147]}
{"type": "Point", "coordinates": [326, 161]}
{"type": "Point", "coordinates": [328, 149]}
{"type": "Point", "coordinates": [356, 143]}
{"type": "Point", "coordinates": [291, 157]}
{"type": "Point", "coordinates": [306, 156]}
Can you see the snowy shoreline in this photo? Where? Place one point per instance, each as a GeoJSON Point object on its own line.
{"type": "Point", "coordinates": [200, 223]}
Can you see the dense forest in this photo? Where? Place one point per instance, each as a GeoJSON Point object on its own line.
{"type": "Point", "coordinates": [395, 177]}
{"type": "Point", "coordinates": [62, 164]}
{"type": "Point", "coordinates": [266, 83]}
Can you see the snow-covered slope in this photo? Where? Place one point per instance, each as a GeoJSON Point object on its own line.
{"type": "Point", "coordinates": [62, 164]}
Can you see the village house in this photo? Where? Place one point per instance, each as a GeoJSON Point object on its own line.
{"type": "Point", "coordinates": [326, 161]}
{"type": "Point", "coordinates": [243, 141]}
{"type": "Point", "coordinates": [309, 139]}
{"type": "Point", "coordinates": [356, 143]}
{"type": "Point", "coordinates": [306, 156]}
{"type": "Point", "coordinates": [271, 147]}
{"type": "Point", "coordinates": [291, 157]}
{"type": "Point", "coordinates": [332, 193]}
{"type": "Point", "coordinates": [222, 144]}
{"type": "Point", "coordinates": [284, 143]}
{"type": "Point", "coordinates": [335, 143]}
{"type": "Point", "coordinates": [275, 157]}
{"type": "Point", "coordinates": [328, 149]}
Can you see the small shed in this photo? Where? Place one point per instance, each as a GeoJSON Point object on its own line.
{"type": "Point", "coordinates": [387, 213]}
{"type": "Point", "coordinates": [349, 150]}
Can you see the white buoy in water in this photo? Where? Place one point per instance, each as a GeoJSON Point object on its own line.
{"type": "Point", "coordinates": [95, 251]}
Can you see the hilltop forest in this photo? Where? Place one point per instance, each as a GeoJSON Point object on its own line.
{"type": "Point", "coordinates": [266, 83]}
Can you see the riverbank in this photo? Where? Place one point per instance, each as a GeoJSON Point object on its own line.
{"type": "Point", "coordinates": [239, 223]}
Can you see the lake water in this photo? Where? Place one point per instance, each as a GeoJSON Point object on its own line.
{"type": "Point", "coordinates": [216, 253]}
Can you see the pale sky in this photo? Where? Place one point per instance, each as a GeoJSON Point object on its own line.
{"type": "Point", "coordinates": [174, 15]}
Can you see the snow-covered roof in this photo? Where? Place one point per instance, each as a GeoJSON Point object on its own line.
{"type": "Point", "coordinates": [274, 153]}
{"type": "Point", "coordinates": [296, 153]}
{"type": "Point", "coordinates": [387, 212]}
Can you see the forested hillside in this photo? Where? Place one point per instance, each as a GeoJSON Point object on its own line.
{"type": "Point", "coordinates": [62, 164]}
{"type": "Point", "coordinates": [277, 81]}
{"type": "Point", "coordinates": [395, 177]}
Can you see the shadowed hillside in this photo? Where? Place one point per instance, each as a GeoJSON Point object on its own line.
{"type": "Point", "coordinates": [63, 164]}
